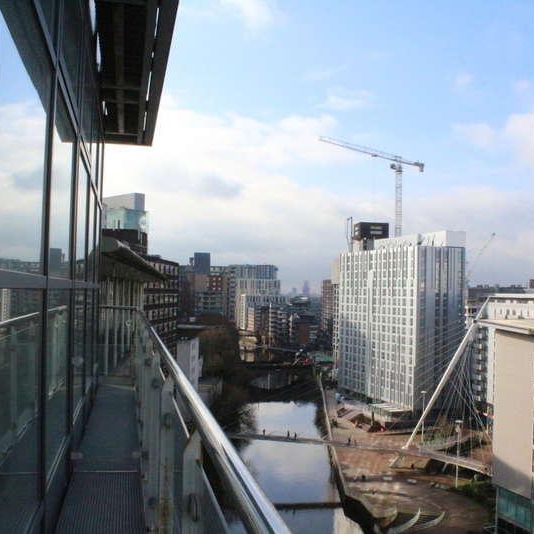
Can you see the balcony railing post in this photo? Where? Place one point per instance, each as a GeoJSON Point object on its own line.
{"type": "Point", "coordinates": [192, 487]}
{"type": "Point", "coordinates": [151, 418]}
{"type": "Point", "coordinates": [166, 458]}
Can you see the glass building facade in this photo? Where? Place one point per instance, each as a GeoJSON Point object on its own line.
{"type": "Point", "coordinates": [51, 153]}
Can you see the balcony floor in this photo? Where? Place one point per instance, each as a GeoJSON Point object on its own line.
{"type": "Point", "coordinates": [104, 494]}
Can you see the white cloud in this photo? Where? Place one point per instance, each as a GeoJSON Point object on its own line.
{"type": "Point", "coordinates": [519, 130]}
{"type": "Point", "coordinates": [341, 99]}
{"type": "Point", "coordinates": [479, 134]}
{"type": "Point", "coordinates": [325, 74]}
{"type": "Point", "coordinates": [255, 14]}
{"type": "Point", "coordinates": [226, 183]}
{"type": "Point", "coordinates": [220, 183]}
{"type": "Point", "coordinates": [462, 81]}
{"type": "Point", "coordinates": [481, 211]}
{"type": "Point", "coordinates": [522, 87]}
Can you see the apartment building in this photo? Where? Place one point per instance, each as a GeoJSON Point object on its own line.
{"type": "Point", "coordinates": [501, 306]}
{"type": "Point", "coordinates": [249, 280]}
{"type": "Point", "coordinates": [400, 314]}
{"type": "Point", "coordinates": [247, 301]}
{"type": "Point", "coordinates": [327, 306]}
{"type": "Point", "coordinates": [162, 300]}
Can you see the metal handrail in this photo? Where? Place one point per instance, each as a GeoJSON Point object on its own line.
{"type": "Point", "coordinates": [13, 320]}
{"type": "Point", "coordinates": [257, 511]}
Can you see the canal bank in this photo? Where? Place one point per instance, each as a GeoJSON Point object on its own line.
{"type": "Point", "coordinates": [354, 503]}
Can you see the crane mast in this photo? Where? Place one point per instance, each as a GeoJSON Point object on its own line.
{"type": "Point", "coordinates": [396, 166]}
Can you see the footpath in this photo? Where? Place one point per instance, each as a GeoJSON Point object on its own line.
{"type": "Point", "coordinates": [400, 499]}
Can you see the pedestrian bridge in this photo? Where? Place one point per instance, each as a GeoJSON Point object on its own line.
{"type": "Point", "coordinates": [431, 454]}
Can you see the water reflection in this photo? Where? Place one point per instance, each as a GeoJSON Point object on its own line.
{"type": "Point", "coordinates": [294, 472]}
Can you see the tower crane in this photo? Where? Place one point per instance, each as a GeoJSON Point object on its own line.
{"type": "Point", "coordinates": [396, 165]}
{"type": "Point", "coordinates": [477, 257]}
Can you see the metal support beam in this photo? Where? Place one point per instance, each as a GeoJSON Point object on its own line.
{"type": "Point", "coordinates": [118, 46]}
{"type": "Point", "coordinates": [446, 375]}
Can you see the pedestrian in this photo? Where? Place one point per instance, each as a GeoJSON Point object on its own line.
{"type": "Point", "coordinates": [295, 436]}
{"type": "Point", "coordinates": [288, 433]}
{"type": "Point", "coordinates": [264, 431]}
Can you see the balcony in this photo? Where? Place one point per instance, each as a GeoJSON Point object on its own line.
{"type": "Point", "coordinates": [152, 457]}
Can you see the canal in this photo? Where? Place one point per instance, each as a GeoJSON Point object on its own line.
{"type": "Point", "coordinates": [296, 477]}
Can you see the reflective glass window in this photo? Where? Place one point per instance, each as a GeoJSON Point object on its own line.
{"type": "Point", "coordinates": [81, 222]}
{"type": "Point", "coordinates": [78, 361]}
{"type": "Point", "coordinates": [20, 336]}
{"type": "Point", "coordinates": [94, 160]}
{"type": "Point", "coordinates": [60, 197]}
{"type": "Point", "coordinates": [56, 371]}
{"type": "Point", "coordinates": [88, 105]}
{"type": "Point", "coordinates": [97, 241]}
{"type": "Point", "coordinates": [91, 238]}
{"type": "Point", "coordinates": [24, 95]}
{"type": "Point", "coordinates": [101, 168]}
{"type": "Point", "coordinates": [89, 337]}
{"type": "Point", "coordinates": [72, 29]}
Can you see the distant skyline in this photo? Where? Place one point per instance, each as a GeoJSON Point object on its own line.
{"type": "Point", "coordinates": [237, 169]}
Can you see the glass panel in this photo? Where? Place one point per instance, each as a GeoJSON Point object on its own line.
{"type": "Point", "coordinates": [101, 168]}
{"type": "Point", "coordinates": [72, 29]}
{"type": "Point", "coordinates": [89, 102]}
{"type": "Point", "coordinates": [89, 337]}
{"type": "Point", "coordinates": [79, 343]}
{"type": "Point", "coordinates": [23, 101]}
{"type": "Point", "coordinates": [91, 238]}
{"type": "Point", "coordinates": [20, 334]}
{"type": "Point", "coordinates": [97, 245]}
{"type": "Point", "coordinates": [81, 223]}
{"type": "Point", "coordinates": [94, 159]}
{"type": "Point", "coordinates": [56, 372]}
{"type": "Point", "coordinates": [60, 196]}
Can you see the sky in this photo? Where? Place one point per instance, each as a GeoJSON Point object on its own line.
{"type": "Point", "coordinates": [236, 167]}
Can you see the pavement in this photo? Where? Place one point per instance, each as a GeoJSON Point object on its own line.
{"type": "Point", "coordinates": [409, 487]}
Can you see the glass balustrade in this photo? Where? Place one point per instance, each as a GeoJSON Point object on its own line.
{"type": "Point", "coordinates": [192, 476]}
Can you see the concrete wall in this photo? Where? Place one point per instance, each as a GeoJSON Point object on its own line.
{"type": "Point", "coordinates": [514, 412]}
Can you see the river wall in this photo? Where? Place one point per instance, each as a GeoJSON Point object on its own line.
{"type": "Point", "coordinates": [357, 507]}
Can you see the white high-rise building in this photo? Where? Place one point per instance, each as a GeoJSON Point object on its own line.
{"type": "Point", "coordinates": [249, 280]}
{"type": "Point", "coordinates": [400, 315]}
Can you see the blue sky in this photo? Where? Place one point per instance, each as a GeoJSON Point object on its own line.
{"type": "Point", "coordinates": [236, 168]}
{"type": "Point", "coordinates": [251, 84]}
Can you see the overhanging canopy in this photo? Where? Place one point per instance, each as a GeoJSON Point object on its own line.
{"type": "Point", "coordinates": [134, 38]}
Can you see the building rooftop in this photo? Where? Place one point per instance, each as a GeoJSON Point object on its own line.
{"type": "Point", "coordinates": [444, 238]}
{"type": "Point", "coordinates": [518, 326]}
